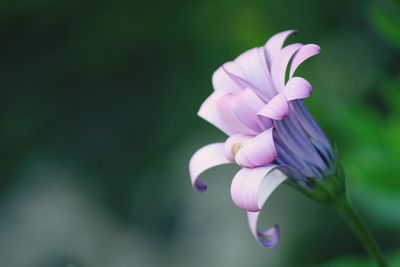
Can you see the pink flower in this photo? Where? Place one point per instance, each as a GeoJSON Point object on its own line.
{"type": "Point", "coordinates": [271, 135]}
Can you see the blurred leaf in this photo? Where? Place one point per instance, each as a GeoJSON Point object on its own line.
{"type": "Point", "coordinates": [385, 16]}
{"type": "Point", "coordinates": [358, 262]}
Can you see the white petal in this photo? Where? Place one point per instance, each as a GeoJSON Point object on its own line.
{"type": "Point", "coordinates": [250, 190]}
{"type": "Point", "coordinates": [252, 186]}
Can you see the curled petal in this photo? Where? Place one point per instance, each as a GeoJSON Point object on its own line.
{"type": "Point", "coordinates": [276, 109]}
{"type": "Point", "coordinates": [257, 151]}
{"type": "Point", "coordinates": [279, 66]}
{"type": "Point", "coordinates": [268, 238]}
{"type": "Point", "coordinates": [205, 158]}
{"type": "Point", "coordinates": [275, 43]}
{"type": "Point", "coordinates": [250, 189]}
{"type": "Point", "coordinates": [233, 143]}
{"type": "Point", "coordinates": [208, 111]}
{"type": "Point", "coordinates": [303, 54]}
{"type": "Point", "coordinates": [297, 88]}
{"type": "Point", "coordinates": [252, 186]}
{"type": "Point", "coordinates": [223, 82]}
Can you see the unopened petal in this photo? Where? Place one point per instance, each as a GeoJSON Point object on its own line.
{"type": "Point", "coordinates": [293, 135]}
{"type": "Point", "coordinates": [297, 88]}
{"type": "Point", "coordinates": [312, 129]}
{"type": "Point", "coordinates": [207, 157]}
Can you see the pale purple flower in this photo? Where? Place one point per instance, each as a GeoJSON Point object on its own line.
{"type": "Point", "coordinates": [271, 135]}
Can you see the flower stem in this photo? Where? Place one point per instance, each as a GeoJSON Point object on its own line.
{"type": "Point", "coordinates": [345, 209]}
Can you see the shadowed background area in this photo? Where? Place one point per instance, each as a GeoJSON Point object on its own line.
{"type": "Point", "coordinates": [98, 103]}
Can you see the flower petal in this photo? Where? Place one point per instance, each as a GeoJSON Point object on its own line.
{"type": "Point", "coordinates": [226, 107]}
{"type": "Point", "coordinates": [290, 158]}
{"type": "Point", "coordinates": [268, 238]}
{"type": "Point", "coordinates": [253, 66]}
{"type": "Point", "coordinates": [250, 189]}
{"type": "Point", "coordinates": [317, 136]}
{"type": "Point", "coordinates": [292, 134]}
{"type": "Point", "coordinates": [276, 109]}
{"type": "Point", "coordinates": [303, 54]}
{"type": "Point", "coordinates": [279, 66]}
{"type": "Point", "coordinates": [233, 70]}
{"type": "Point", "coordinates": [208, 111]}
{"type": "Point", "coordinates": [245, 106]}
{"type": "Point", "coordinates": [274, 45]}
{"type": "Point", "coordinates": [223, 82]}
{"type": "Point", "coordinates": [231, 142]}
{"type": "Point", "coordinates": [205, 158]}
{"type": "Point", "coordinates": [257, 151]}
{"type": "Point", "coordinates": [252, 186]}
{"type": "Point", "coordinates": [297, 88]}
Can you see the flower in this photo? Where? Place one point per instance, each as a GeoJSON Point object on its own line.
{"type": "Point", "coordinates": [271, 135]}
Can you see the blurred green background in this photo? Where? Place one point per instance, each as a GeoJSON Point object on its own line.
{"type": "Point", "coordinates": [98, 103]}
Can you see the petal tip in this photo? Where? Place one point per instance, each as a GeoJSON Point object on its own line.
{"type": "Point", "coordinates": [269, 238]}
{"type": "Point", "coordinates": [297, 88]}
{"type": "Point", "coordinates": [207, 157]}
{"type": "Point", "coordinates": [200, 186]}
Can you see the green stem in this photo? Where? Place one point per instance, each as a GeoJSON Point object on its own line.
{"type": "Point", "coordinates": [345, 208]}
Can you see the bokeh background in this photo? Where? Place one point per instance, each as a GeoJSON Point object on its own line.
{"type": "Point", "coordinates": [98, 103]}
